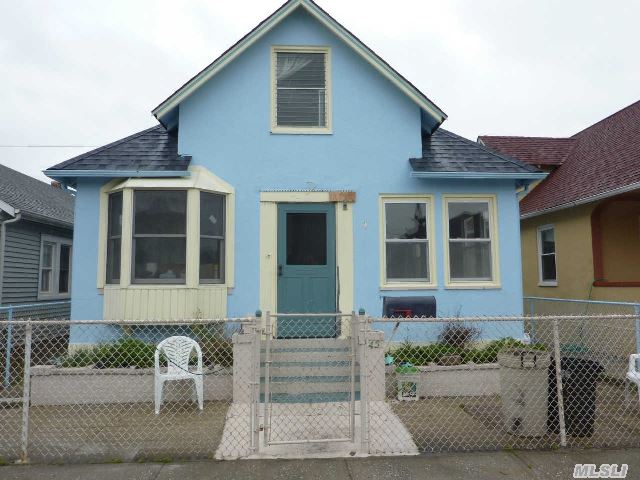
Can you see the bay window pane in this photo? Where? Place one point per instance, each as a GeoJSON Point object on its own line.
{"type": "Point", "coordinates": [115, 214]}
{"type": "Point", "coordinates": [211, 214]}
{"type": "Point", "coordinates": [470, 260]}
{"type": "Point", "coordinates": [211, 259]}
{"type": "Point", "coordinates": [113, 260]}
{"type": "Point", "coordinates": [160, 258]}
{"type": "Point", "coordinates": [405, 220]}
{"type": "Point", "coordinates": [549, 267]}
{"type": "Point", "coordinates": [160, 212]}
{"type": "Point", "coordinates": [468, 220]}
{"type": "Point", "coordinates": [407, 261]}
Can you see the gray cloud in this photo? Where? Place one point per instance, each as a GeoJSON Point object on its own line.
{"type": "Point", "coordinates": [89, 72]}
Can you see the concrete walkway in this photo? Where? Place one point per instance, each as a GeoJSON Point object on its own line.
{"type": "Point", "coordinates": [525, 465]}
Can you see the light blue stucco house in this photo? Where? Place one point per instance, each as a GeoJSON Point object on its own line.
{"type": "Point", "coordinates": [298, 172]}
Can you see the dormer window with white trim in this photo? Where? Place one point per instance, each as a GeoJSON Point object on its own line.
{"type": "Point", "coordinates": [301, 90]}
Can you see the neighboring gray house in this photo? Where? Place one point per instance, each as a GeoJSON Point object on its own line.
{"type": "Point", "coordinates": [36, 231]}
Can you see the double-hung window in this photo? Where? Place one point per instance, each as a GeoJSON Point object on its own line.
{"type": "Point", "coordinates": [547, 255]}
{"type": "Point", "coordinates": [471, 245]}
{"type": "Point", "coordinates": [406, 253]}
{"type": "Point", "coordinates": [55, 268]}
{"type": "Point", "coordinates": [212, 222]}
{"type": "Point", "coordinates": [301, 90]}
{"type": "Point", "coordinates": [159, 236]}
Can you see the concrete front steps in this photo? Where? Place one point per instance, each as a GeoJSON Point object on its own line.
{"type": "Point", "coordinates": [310, 371]}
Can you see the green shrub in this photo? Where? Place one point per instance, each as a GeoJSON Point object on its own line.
{"type": "Point", "coordinates": [128, 352]}
{"type": "Point", "coordinates": [432, 353]}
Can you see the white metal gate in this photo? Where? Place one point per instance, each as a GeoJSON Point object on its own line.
{"type": "Point", "coordinates": [310, 384]}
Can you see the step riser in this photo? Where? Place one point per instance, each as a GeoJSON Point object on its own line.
{"type": "Point", "coordinates": [309, 357]}
{"type": "Point", "coordinates": [315, 388]}
{"type": "Point", "coordinates": [276, 371]}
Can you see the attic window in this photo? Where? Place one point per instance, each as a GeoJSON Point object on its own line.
{"type": "Point", "coordinates": [301, 90]}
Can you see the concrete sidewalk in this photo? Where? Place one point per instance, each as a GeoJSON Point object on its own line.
{"type": "Point", "coordinates": [451, 466]}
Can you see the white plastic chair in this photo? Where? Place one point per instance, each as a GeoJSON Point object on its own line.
{"type": "Point", "coordinates": [633, 375]}
{"type": "Point", "coordinates": [177, 350]}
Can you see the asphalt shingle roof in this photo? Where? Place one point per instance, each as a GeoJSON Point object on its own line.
{"type": "Point", "coordinates": [153, 149]}
{"type": "Point", "coordinates": [35, 198]}
{"type": "Point", "coordinates": [444, 151]}
{"type": "Point", "coordinates": [605, 157]}
{"type": "Point", "coordinates": [532, 150]}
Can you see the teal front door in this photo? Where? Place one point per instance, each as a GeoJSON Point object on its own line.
{"type": "Point", "coordinates": [306, 269]}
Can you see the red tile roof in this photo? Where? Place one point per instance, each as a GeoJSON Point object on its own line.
{"type": "Point", "coordinates": [532, 150]}
{"type": "Point", "coordinates": [605, 158]}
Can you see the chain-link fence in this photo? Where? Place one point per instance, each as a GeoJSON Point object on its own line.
{"type": "Point", "coordinates": [534, 382]}
{"type": "Point", "coordinates": [289, 384]}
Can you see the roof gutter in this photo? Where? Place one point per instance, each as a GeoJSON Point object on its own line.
{"type": "Point", "coordinates": [55, 174]}
{"type": "Point", "coordinates": [3, 237]}
{"type": "Point", "coordinates": [480, 175]}
{"type": "Point", "coordinates": [583, 201]}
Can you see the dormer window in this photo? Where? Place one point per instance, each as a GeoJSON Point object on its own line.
{"type": "Point", "coordinates": [301, 90]}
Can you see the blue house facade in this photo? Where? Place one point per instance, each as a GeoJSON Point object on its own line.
{"type": "Point", "coordinates": [297, 173]}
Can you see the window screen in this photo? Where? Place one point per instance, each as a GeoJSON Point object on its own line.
{"type": "Point", "coordinates": [301, 89]}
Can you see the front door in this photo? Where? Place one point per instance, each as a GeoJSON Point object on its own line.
{"type": "Point", "coordinates": [306, 269]}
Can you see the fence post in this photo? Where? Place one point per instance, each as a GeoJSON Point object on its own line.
{"type": "Point", "coordinates": [637, 313]}
{"type": "Point", "coordinates": [255, 387]}
{"type": "Point", "coordinates": [558, 360]}
{"type": "Point", "coordinates": [364, 379]}
{"type": "Point", "coordinates": [26, 393]}
{"type": "Point", "coordinates": [267, 373]}
{"type": "Point", "coordinates": [354, 359]}
{"type": "Point", "coordinates": [7, 359]}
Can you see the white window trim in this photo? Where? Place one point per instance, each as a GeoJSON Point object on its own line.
{"type": "Point", "coordinates": [539, 230]}
{"type": "Point", "coordinates": [326, 130]}
{"type": "Point", "coordinates": [405, 285]}
{"type": "Point", "coordinates": [55, 267]}
{"type": "Point", "coordinates": [200, 179]}
{"type": "Point", "coordinates": [471, 284]}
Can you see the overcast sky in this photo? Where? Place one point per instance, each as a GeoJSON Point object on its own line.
{"type": "Point", "coordinates": [87, 72]}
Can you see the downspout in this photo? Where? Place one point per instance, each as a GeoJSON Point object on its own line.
{"type": "Point", "coordinates": [3, 237]}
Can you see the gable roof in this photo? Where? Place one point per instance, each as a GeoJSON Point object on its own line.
{"type": "Point", "coordinates": [153, 149]}
{"type": "Point", "coordinates": [445, 154]}
{"type": "Point", "coordinates": [166, 109]}
{"type": "Point", "coordinates": [35, 199]}
{"type": "Point", "coordinates": [604, 161]}
{"type": "Point", "coordinates": [532, 150]}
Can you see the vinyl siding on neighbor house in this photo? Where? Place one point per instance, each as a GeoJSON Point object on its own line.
{"type": "Point", "coordinates": [22, 262]}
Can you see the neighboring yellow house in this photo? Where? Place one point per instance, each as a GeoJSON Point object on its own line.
{"type": "Point", "coordinates": [581, 225]}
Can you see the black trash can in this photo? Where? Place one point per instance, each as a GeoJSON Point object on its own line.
{"type": "Point", "coordinates": [579, 383]}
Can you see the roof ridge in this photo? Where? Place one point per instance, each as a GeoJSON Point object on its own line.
{"type": "Point", "coordinates": [527, 137]}
{"type": "Point", "coordinates": [115, 143]}
{"type": "Point", "coordinates": [488, 150]}
{"type": "Point", "coordinates": [605, 118]}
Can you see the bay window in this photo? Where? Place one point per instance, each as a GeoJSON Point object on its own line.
{"type": "Point", "coordinates": [159, 236]}
{"type": "Point", "coordinates": [470, 240]}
